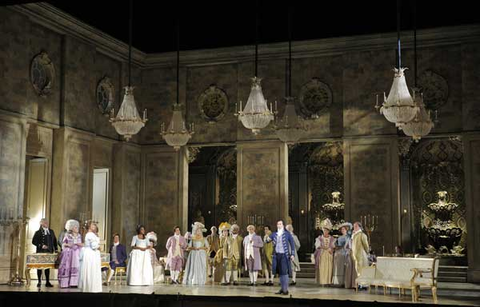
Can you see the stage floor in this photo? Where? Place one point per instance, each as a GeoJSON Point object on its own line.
{"type": "Point", "coordinates": [305, 289]}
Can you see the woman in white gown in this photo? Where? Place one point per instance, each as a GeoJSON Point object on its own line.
{"type": "Point", "coordinates": [139, 270]}
{"type": "Point", "coordinates": [90, 262]}
{"type": "Point", "coordinates": [196, 267]}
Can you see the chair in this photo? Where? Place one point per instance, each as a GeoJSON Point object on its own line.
{"type": "Point", "coordinates": [122, 270]}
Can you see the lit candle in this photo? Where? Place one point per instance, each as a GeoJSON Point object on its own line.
{"type": "Point", "coordinates": [145, 114]}
{"type": "Point", "coordinates": [241, 106]}
{"type": "Point", "coordinates": [236, 107]}
{"type": "Point", "coordinates": [271, 107]}
{"type": "Point", "coordinates": [276, 107]}
{"type": "Point", "coordinates": [376, 103]}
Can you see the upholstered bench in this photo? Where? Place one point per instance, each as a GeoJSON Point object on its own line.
{"type": "Point", "coordinates": [402, 273]}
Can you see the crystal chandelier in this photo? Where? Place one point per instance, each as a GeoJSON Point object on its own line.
{"type": "Point", "coordinates": [128, 121]}
{"type": "Point", "coordinates": [256, 114]}
{"type": "Point", "coordinates": [399, 108]}
{"type": "Point", "coordinates": [177, 135]}
{"type": "Point", "coordinates": [422, 124]}
{"type": "Point", "coordinates": [291, 127]}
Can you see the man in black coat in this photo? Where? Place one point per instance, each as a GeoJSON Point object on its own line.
{"type": "Point", "coordinates": [46, 242]}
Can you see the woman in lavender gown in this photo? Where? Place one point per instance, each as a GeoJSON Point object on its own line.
{"type": "Point", "coordinates": [68, 271]}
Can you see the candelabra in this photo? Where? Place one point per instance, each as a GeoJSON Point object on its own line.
{"type": "Point", "coordinates": [16, 279]}
{"type": "Point", "coordinates": [6, 220]}
{"type": "Point", "coordinates": [256, 220]}
{"type": "Point", "coordinates": [370, 224]}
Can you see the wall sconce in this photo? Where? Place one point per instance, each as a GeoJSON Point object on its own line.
{"type": "Point", "coordinates": [302, 211]}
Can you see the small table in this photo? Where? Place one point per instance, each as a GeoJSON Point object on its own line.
{"type": "Point", "coordinates": [42, 261]}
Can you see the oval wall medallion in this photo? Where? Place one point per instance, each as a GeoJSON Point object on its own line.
{"type": "Point", "coordinates": [105, 95]}
{"type": "Point", "coordinates": [213, 104]}
{"type": "Point", "coordinates": [315, 97]}
{"type": "Point", "coordinates": [42, 74]}
{"type": "Point", "coordinates": [434, 88]}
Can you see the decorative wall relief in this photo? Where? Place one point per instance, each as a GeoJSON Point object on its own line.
{"type": "Point", "coordinates": [434, 88]}
{"type": "Point", "coordinates": [443, 230]}
{"type": "Point", "coordinates": [105, 95]}
{"type": "Point", "coordinates": [315, 97]}
{"type": "Point", "coordinates": [192, 154]}
{"type": "Point", "coordinates": [213, 104]}
{"type": "Point", "coordinates": [42, 74]}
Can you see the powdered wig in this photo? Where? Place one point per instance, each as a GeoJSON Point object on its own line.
{"type": "Point", "coordinates": [235, 227]}
{"type": "Point", "coordinates": [152, 237]}
{"type": "Point", "coordinates": [70, 224]}
{"type": "Point", "coordinates": [250, 227]}
{"type": "Point", "coordinates": [198, 226]}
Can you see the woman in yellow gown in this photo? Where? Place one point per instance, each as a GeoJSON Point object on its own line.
{"type": "Point", "coordinates": [324, 247]}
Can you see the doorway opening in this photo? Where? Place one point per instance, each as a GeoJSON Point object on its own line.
{"type": "Point", "coordinates": [212, 186]}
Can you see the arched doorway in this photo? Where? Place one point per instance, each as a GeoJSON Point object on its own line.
{"type": "Point", "coordinates": [436, 165]}
{"type": "Point", "coordinates": [315, 171]}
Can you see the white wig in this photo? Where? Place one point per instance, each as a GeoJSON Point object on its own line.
{"type": "Point", "coordinates": [198, 225]}
{"type": "Point", "coordinates": [235, 226]}
{"type": "Point", "coordinates": [70, 224]}
{"type": "Point", "coordinates": [152, 236]}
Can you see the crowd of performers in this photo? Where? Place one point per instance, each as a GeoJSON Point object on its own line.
{"type": "Point", "coordinates": [194, 259]}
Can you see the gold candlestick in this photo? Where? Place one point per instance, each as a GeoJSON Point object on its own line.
{"type": "Point", "coordinates": [17, 280]}
{"type": "Point", "coordinates": [370, 224]}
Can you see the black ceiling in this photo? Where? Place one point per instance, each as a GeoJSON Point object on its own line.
{"type": "Point", "coordinates": [213, 23]}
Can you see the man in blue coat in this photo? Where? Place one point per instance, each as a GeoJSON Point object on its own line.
{"type": "Point", "coordinates": [118, 256]}
{"type": "Point", "coordinates": [283, 254]}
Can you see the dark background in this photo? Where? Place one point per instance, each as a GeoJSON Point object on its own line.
{"type": "Point", "coordinates": [213, 23]}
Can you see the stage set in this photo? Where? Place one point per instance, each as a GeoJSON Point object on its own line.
{"type": "Point", "coordinates": [305, 293]}
{"type": "Point", "coordinates": [142, 146]}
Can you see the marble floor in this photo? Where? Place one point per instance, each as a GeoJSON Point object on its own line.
{"type": "Point", "coordinates": [305, 289]}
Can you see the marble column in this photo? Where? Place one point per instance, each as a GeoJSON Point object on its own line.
{"type": "Point", "coordinates": [126, 190]}
{"type": "Point", "coordinates": [72, 175]}
{"type": "Point", "coordinates": [372, 187]}
{"type": "Point", "coordinates": [472, 197]}
{"type": "Point", "coordinates": [262, 181]}
{"type": "Point", "coordinates": [13, 139]}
